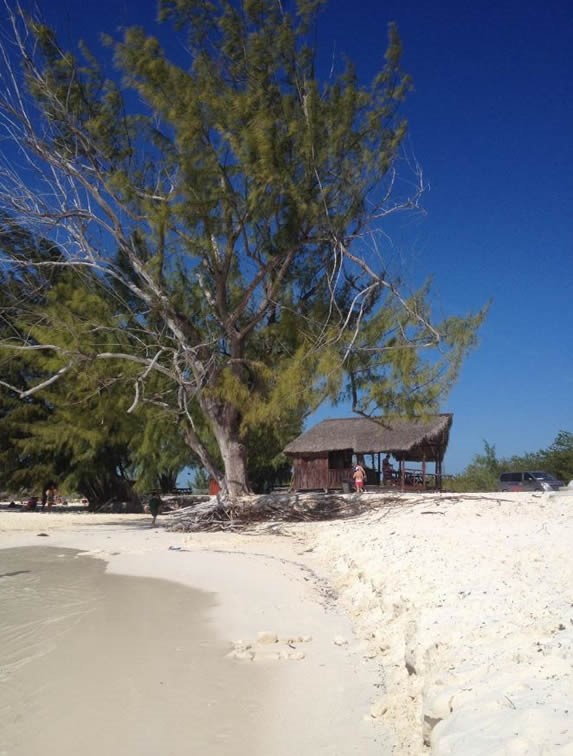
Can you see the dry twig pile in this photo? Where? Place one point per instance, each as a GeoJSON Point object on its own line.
{"type": "Point", "coordinates": [219, 513]}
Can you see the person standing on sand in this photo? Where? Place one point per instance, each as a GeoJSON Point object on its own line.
{"type": "Point", "coordinates": [387, 469]}
{"type": "Point", "coordinates": [358, 476]}
{"type": "Point", "coordinates": [154, 507]}
{"type": "Point", "coordinates": [50, 495]}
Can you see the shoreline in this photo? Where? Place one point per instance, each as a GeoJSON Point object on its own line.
{"type": "Point", "coordinates": [271, 612]}
{"type": "Point", "coordinates": [462, 605]}
{"type": "Point", "coordinates": [81, 646]}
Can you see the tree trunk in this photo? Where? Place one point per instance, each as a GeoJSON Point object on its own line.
{"type": "Point", "coordinates": [235, 481]}
{"type": "Point", "coordinates": [226, 422]}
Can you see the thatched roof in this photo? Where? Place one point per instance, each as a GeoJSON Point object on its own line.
{"type": "Point", "coordinates": [411, 439]}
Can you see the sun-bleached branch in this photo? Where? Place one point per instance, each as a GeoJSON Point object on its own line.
{"type": "Point", "coordinates": [39, 386]}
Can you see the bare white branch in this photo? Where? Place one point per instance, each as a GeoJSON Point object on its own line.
{"type": "Point", "coordinates": [44, 384]}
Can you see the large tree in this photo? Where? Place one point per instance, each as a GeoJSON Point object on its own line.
{"type": "Point", "coordinates": [237, 202]}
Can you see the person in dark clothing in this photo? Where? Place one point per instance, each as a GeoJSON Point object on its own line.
{"type": "Point", "coordinates": [387, 469]}
{"type": "Point", "coordinates": [154, 507]}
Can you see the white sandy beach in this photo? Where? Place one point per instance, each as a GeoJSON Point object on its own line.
{"type": "Point", "coordinates": [439, 618]}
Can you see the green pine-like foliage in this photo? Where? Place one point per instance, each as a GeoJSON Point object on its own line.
{"type": "Point", "coordinates": [231, 204]}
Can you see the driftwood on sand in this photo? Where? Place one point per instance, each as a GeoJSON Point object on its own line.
{"type": "Point", "coordinates": [220, 513]}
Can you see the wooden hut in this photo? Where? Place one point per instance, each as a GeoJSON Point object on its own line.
{"type": "Point", "coordinates": [323, 456]}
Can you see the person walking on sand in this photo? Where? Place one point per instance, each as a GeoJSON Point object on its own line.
{"type": "Point", "coordinates": [358, 476]}
{"type": "Point", "coordinates": [154, 507]}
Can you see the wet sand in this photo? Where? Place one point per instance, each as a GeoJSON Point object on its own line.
{"type": "Point", "coordinates": [170, 643]}
{"type": "Point", "coordinates": [94, 663]}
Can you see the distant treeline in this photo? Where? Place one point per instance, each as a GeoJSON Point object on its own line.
{"type": "Point", "coordinates": [482, 474]}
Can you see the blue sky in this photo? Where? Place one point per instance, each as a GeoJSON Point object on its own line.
{"type": "Point", "coordinates": [491, 121]}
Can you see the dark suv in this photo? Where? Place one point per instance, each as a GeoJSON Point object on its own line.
{"type": "Point", "coordinates": [529, 481]}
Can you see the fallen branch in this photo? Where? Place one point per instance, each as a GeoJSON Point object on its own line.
{"type": "Point", "coordinates": [220, 513]}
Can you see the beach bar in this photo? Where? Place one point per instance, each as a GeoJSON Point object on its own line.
{"type": "Point", "coordinates": [323, 456]}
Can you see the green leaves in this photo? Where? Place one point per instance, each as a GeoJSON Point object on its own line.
{"type": "Point", "coordinates": [223, 200]}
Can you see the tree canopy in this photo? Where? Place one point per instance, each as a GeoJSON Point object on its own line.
{"type": "Point", "coordinates": [76, 430]}
{"type": "Point", "coordinates": [232, 205]}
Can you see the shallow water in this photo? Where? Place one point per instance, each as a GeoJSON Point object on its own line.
{"type": "Point", "coordinates": [94, 663]}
